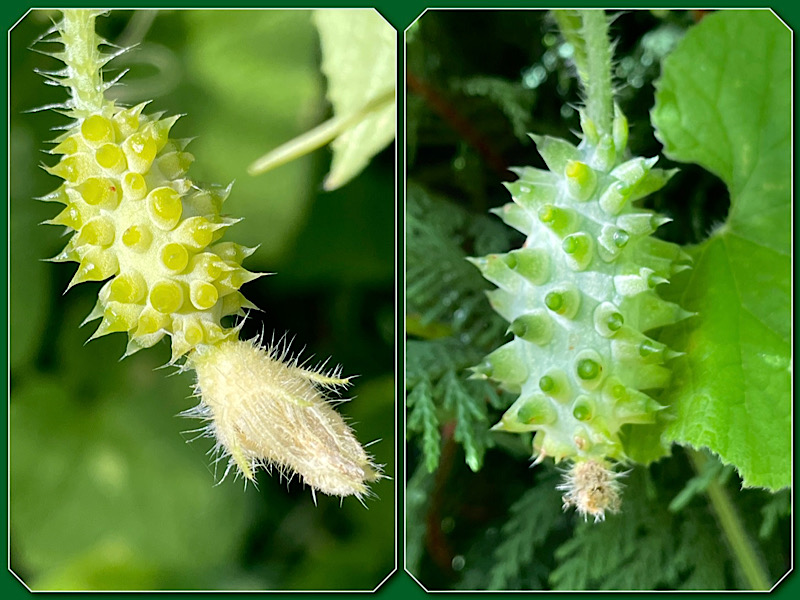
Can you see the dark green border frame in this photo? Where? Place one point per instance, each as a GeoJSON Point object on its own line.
{"type": "Point", "coordinates": [401, 15]}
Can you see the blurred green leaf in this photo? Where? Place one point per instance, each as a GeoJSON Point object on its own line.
{"type": "Point", "coordinates": [359, 59]}
{"type": "Point", "coordinates": [109, 565]}
{"type": "Point", "coordinates": [347, 239]}
{"type": "Point", "coordinates": [29, 296]}
{"type": "Point", "coordinates": [108, 472]}
{"type": "Point", "coordinates": [29, 243]}
{"type": "Point", "coordinates": [723, 101]}
{"type": "Point", "coordinates": [255, 83]}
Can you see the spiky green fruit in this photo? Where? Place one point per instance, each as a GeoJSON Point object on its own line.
{"type": "Point", "coordinates": [138, 221]}
{"type": "Point", "coordinates": [580, 297]}
{"type": "Point", "coordinates": [143, 226]}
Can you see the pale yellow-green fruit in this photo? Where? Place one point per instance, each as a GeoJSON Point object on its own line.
{"type": "Point", "coordinates": [581, 300]}
{"type": "Point", "coordinates": [140, 223]}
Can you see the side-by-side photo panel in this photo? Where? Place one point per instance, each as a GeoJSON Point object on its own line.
{"type": "Point", "coordinates": [202, 396]}
{"type": "Point", "coordinates": [598, 300]}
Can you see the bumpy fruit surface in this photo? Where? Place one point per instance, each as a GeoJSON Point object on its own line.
{"type": "Point", "coordinates": [580, 296]}
{"type": "Point", "coordinates": [139, 222]}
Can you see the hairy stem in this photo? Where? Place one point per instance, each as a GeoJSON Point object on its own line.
{"type": "Point", "coordinates": [83, 61]}
{"type": "Point", "coordinates": [587, 32]}
{"type": "Point", "coordinates": [738, 540]}
{"type": "Point", "coordinates": [599, 95]}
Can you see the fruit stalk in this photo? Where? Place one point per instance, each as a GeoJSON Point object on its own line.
{"type": "Point", "coordinates": [743, 550]}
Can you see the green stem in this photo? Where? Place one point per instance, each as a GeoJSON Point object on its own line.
{"type": "Point", "coordinates": [599, 94]}
{"type": "Point", "coordinates": [744, 552]}
{"type": "Point", "coordinates": [319, 136]}
{"type": "Point", "coordinates": [84, 61]}
{"type": "Point", "coordinates": [587, 32]}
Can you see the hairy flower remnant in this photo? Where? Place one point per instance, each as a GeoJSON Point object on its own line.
{"type": "Point", "coordinates": [265, 409]}
{"type": "Point", "coordinates": [592, 488]}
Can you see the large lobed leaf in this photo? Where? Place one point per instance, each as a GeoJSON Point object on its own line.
{"type": "Point", "coordinates": [723, 101]}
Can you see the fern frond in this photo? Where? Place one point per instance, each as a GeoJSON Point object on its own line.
{"type": "Point", "coordinates": [433, 358]}
{"type": "Point", "coordinates": [439, 392]}
{"type": "Point", "coordinates": [441, 286]}
{"type": "Point", "coordinates": [471, 416]}
{"type": "Point", "coordinates": [511, 97]}
{"type": "Point", "coordinates": [423, 419]}
{"type": "Point", "coordinates": [697, 485]}
{"type": "Point", "coordinates": [777, 507]}
{"type": "Point", "coordinates": [418, 493]}
{"type": "Point", "coordinates": [443, 289]}
{"type": "Point", "coordinates": [531, 520]}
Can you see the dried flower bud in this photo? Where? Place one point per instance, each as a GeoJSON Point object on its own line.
{"type": "Point", "coordinates": [265, 409]}
{"type": "Point", "coordinates": [592, 488]}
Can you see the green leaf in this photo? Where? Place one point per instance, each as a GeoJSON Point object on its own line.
{"type": "Point", "coordinates": [110, 476]}
{"type": "Point", "coordinates": [359, 61]}
{"type": "Point", "coordinates": [723, 101]}
{"type": "Point", "coordinates": [644, 443]}
{"type": "Point", "coordinates": [254, 85]}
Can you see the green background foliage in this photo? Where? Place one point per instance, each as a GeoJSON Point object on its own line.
{"type": "Point", "coordinates": [105, 493]}
{"type": "Point", "coordinates": [360, 63]}
{"type": "Point", "coordinates": [501, 526]}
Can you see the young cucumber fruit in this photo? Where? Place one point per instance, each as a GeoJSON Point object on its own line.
{"type": "Point", "coordinates": [140, 224]}
{"type": "Point", "coordinates": [580, 297]}
{"type": "Point", "coordinates": [139, 221]}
